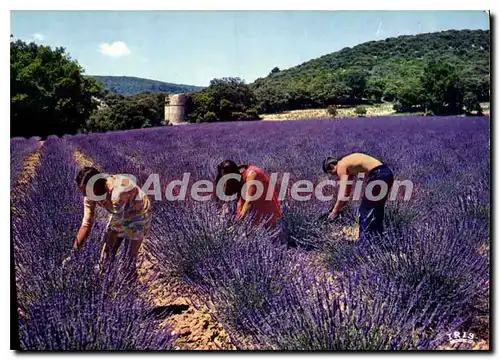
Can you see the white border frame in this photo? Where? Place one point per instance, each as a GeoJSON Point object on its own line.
{"type": "Point", "coordinates": [198, 5]}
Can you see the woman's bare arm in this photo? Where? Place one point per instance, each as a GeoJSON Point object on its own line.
{"type": "Point", "coordinates": [87, 222]}
{"type": "Point", "coordinates": [82, 235]}
{"type": "Point", "coordinates": [250, 192]}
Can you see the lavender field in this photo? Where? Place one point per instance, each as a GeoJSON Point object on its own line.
{"type": "Point", "coordinates": [309, 287]}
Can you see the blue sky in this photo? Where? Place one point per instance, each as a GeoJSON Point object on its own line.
{"type": "Point", "coordinates": [195, 47]}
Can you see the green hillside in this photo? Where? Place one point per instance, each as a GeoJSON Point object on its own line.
{"type": "Point", "coordinates": [129, 85]}
{"type": "Point", "coordinates": [377, 70]}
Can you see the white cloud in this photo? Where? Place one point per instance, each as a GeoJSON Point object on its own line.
{"type": "Point", "coordinates": [38, 37]}
{"type": "Point", "coordinates": [115, 49]}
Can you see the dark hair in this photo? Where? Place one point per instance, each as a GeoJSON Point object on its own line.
{"type": "Point", "coordinates": [85, 174]}
{"type": "Point", "coordinates": [230, 167]}
{"type": "Point", "coordinates": [328, 163]}
{"type": "Point", "coordinates": [227, 167]}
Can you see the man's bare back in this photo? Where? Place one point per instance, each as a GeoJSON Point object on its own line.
{"type": "Point", "coordinates": [356, 163]}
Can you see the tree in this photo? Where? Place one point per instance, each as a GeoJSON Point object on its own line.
{"type": "Point", "coordinates": [484, 88]}
{"type": "Point", "coordinates": [356, 82]}
{"type": "Point", "coordinates": [478, 87]}
{"type": "Point", "coordinates": [226, 99]}
{"type": "Point", "coordinates": [233, 90]}
{"type": "Point", "coordinates": [471, 103]}
{"type": "Point", "coordinates": [271, 99]}
{"type": "Point", "coordinates": [443, 90]}
{"type": "Point", "coordinates": [275, 70]}
{"type": "Point", "coordinates": [337, 92]}
{"type": "Point", "coordinates": [298, 97]}
{"type": "Point", "coordinates": [209, 117]}
{"type": "Point", "coordinates": [409, 96]}
{"type": "Point", "coordinates": [197, 106]}
{"type": "Point", "coordinates": [49, 94]}
{"type": "Point", "coordinates": [375, 89]}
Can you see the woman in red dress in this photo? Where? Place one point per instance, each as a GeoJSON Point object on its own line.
{"type": "Point", "coordinates": [264, 207]}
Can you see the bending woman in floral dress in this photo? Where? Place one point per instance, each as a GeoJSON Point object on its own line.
{"type": "Point", "coordinates": [129, 206]}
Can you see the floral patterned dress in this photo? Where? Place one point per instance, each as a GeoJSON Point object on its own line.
{"type": "Point", "coordinates": [129, 206]}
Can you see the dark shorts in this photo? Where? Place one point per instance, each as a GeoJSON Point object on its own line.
{"type": "Point", "coordinates": [371, 210]}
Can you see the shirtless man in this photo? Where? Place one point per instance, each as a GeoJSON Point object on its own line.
{"type": "Point", "coordinates": [371, 213]}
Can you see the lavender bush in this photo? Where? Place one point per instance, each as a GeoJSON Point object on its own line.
{"type": "Point", "coordinates": [355, 312]}
{"type": "Point", "coordinates": [20, 148]}
{"type": "Point", "coordinates": [249, 274]}
{"type": "Point", "coordinates": [76, 308]}
{"type": "Point", "coordinates": [72, 307]}
{"type": "Point", "coordinates": [437, 257]}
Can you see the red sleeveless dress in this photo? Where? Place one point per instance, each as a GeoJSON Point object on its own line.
{"type": "Point", "coordinates": [261, 208]}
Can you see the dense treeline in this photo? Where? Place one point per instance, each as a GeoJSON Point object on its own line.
{"type": "Point", "coordinates": [226, 99]}
{"type": "Point", "coordinates": [131, 85]}
{"type": "Point", "coordinates": [392, 70]}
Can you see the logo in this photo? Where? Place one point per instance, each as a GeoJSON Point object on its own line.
{"type": "Point", "coordinates": [458, 337]}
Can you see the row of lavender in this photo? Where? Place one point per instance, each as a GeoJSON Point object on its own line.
{"type": "Point", "coordinates": [70, 306]}
{"type": "Point", "coordinates": [20, 149]}
{"type": "Point", "coordinates": [428, 260]}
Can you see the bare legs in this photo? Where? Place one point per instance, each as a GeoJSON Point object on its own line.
{"type": "Point", "coordinates": [133, 247]}
{"type": "Point", "coordinates": [110, 248]}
